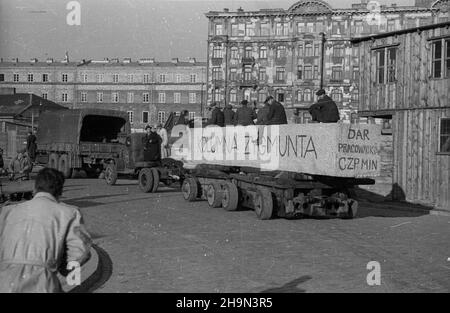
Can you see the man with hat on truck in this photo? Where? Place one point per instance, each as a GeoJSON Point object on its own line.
{"type": "Point", "coordinates": [244, 115]}
{"type": "Point", "coordinates": [217, 117]}
{"type": "Point", "coordinates": [325, 109]}
{"type": "Point", "coordinates": [277, 113]}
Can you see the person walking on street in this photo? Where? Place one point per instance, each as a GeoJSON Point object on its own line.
{"type": "Point", "coordinates": [244, 115]}
{"type": "Point", "coordinates": [325, 109]}
{"type": "Point", "coordinates": [277, 113]}
{"type": "Point", "coordinates": [40, 237]}
{"type": "Point", "coordinates": [217, 117]}
{"type": "Point", "coordinates": [228, 115]}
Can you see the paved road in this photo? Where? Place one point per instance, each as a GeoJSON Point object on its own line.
{"type": "Point", "coordinates": [160, 243]}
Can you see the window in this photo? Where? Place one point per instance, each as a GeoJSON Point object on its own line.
{"type": "Point", "coordinates": [130, 97]}
{"type": "Point", "coordinates": [130, 78]}
{"type": "Point", "coordinates": [99, 96]}
{"type": "Point", "coordinates": [115, 78]}
{"type": "Point", "coordinates": [301, 28]}
{"type": "Point", "coordinates": [280, 73]}
{"type": "Point", "coordinates": [99, 78]}
{"type": "Point", "coordinates": [84, 78]}
{"type": "Point", "coordinates": [161, 117]}
{"type": "Point", "coordinates": [162, 97]}
{"type": "Point", "coordinates": [307, 95]}
{"type": "Point", "coordinates": [336, 73]}
{"type": "Point", "coordinates": [191, 115]}
{"type": "Point", "coordinates": [64, 97]}
{"type": "Point", "coordinates": [337, 28]}
{"type": "Point", "coordinates": [282, 29]}
{"type": "Point", "coordinates": [300, 95]}
{"type": "Point", "coordinates": [233, 95]}
{"type": "Point", "coordinates": [316, 72]}
{"type": "Point", "coordinates": [316, 50]}
{"type": "Point", "coordinates": [193, 78]}
{"type": "Point", "coordinates": [216, 73]}
{"type": "Point", "coordinates": [177, 97]}
{"type": "Point", "coordinates": [247, 73]}
{"type": "Point", "coordinates": [162, 78]}
{"type": "Point", "coordinates": [444, 146]}
{"type": "Point", "coordinates": [261, 96]}
{"type": "Point", "coordinates": [217, 95]}
{"type": "Point", "coordinates": [319, 27]}
{"type": "Point", "coordinates": [178, 78]}
{"type": "Point", "coordinates": [248, 52]}
{"type": "Point", "coordinates": [218, 29]}
{"type": "Point", "coordinates": [130, 116]}
{"type": "Point", "coordinates": [83, 97]}
{"type": "Point", "coordinates": [234, 53]}
{"type": "Point", "coordinates": [115, 97]}
{"type": "Point", "coordinates": [386, 65]}
{"type": "Point", "coordinates": [263, 52]}
{"type": "Point", "coordinates": [336, 95]}
{"type": "Point", "coordinates": [241, 29]}
{"type": "Point", "coordinates": [358, 27]}
{"type": "Point", "coordinates": [2, 77]}
{"type": "Point", "coordinates": [300, 72]}
{"type": "Point", "coordinates": [265, 29]}
{"type": "Point", "coordinates": [308, 72]}
{"type": "Point", "coordinates": [355, 95]}
{"type": "Point", "coordinates": [441, 58]}
{"type": "Point", "coordinates": [146, 78]}
{"type": "Point", "coordinates": [64, 78]}
{"type": "Point", "coordinates": [16, 77]}
{"type": "Point", "coordinates": [234, 29]}
{"type": "Point", "coordinates": [310, 28]}
{"type": "Point", "coordinates": [250, 29]}
{"type": "Point", "coordinates": [355, 73]}
{"type": "Point", "coordinates": [145, 117]}
{"type": "Point", "coordinates": [45, 78]}
{"type": "Point", "coordinates": [192, 97]}
{"type": "Point", "coordinates": [145, 97]}
{"type": "Point", "coordinates": [338, 51]}
{"type": "Point", "coordinates": [300, 50]}
{"type": "Point", "coordinates": [233, 74]}
{"type": "Point", "coordinates": [353, 118]}
{"type": "Point", "coordinates": [45, 95]}
{"type": "Point", "coordinates": [391, 25]}
{"type": "Point", "coordinates": [262, 74]}
{"type": "Point", "coordinates": [281, 52]}
{"type": "Point", "coordinates": [308, 49]}
{"type": "Point", "coordinates": [30, 77]}
{"type": "Point", "coordinates": [217, 52]}
{"type": "Point", "coordinates": [306, 118]}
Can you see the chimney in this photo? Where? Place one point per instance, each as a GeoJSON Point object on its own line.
{"type": "Point", "coordinates": [126, 60]}
{"type": "Point", "coordinates": [114, 61]}
{"type": "Point", "coordinates": [175, 60]}
{"type": "Point", "coordinates": [49, 60]}
{"type": "Point", "coordinates": [34, 60]}
{"type": "Point", "coordinates": [192, 60]}
{"type": "Point", "coordinates": [16, 60]}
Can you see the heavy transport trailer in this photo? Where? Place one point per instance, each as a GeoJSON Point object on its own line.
{"type": "Point", "coordinates": [81, 139]}
{"type": "Point", "coordinates": [273, 194]}
{"type": "Point", "coordinates": [132, 164]}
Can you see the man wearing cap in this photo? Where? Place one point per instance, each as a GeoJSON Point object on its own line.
{"type": "Point", "coordinates": [277, 114]}
{"type": "Point", "coordinates": [152, 145]}
{"type": "Point", "coordinates": [217, 117]}
{"type": "Point", "coordinates": [228, 115]}
{"type": "Point", "coordinates": [325, 109]}
{"type": "Point", "coordinates": [244, 115]}
{"type": "Point", "coordinates": [20, 166]}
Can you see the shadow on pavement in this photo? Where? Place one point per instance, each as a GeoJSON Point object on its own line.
{"type": "Point", "coordinates": [290, 287]}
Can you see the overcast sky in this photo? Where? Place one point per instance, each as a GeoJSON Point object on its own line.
{"type": "Point", "coordinates": [118, 28]}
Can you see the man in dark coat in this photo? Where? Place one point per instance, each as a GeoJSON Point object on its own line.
{"type": "Point", "coordinates": [217, 116]}
{"type": "Point", "coordinates": [325, 109]}
{"type": "Point", "coordinates": [228, 115]}
{"type": "Point", "coordinates": [31, 146]}
{"type": "Point", "coordinates": [244, 115]}
{"type": "Point", "coordinates": [152, 145]}
{"type": "Point", "coordinates": [277, 114]}
{"type": "Point", "coordinates": [262, 114]}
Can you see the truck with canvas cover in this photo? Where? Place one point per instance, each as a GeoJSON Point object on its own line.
{"type": "Point", "coordinates": [81, 139]}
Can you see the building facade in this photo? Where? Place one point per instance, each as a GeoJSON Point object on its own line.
{"type": "Point", "coordinates": [292, 53]}
{"type": "Point", "coordinates": [147, 89]}
{"type": "Point", "coordinates": [405, 77]}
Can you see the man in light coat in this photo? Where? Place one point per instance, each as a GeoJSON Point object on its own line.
{"type": "Point", "coordinates": [162, 132]}
{"type": "Point", "coordinates": [38, 238]}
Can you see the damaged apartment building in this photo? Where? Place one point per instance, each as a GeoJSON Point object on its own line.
{"type": "Point", "coordinates": [292, 53]}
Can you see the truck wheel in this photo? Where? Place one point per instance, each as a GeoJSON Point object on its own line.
{"type": "Point", "coordinates": [145, 180]}
{"type": "Point", "coordinates": [64, 166]}
{"type": "Point", "coordinates": [214, 195]}
{"type": "Point", "coordinates": [155, 174]}
{"type": "Point", "coordinates": [263, 204]}
{"type": "Point", "coordinates": [111, 174]}
{"type": "Point", "coordinates": [53, 161]}
{"type": "Point", "coordinates": [189, 189]}
{"type": "Point", "coordinates": [230, 197]}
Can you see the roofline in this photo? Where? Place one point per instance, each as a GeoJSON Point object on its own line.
{"type": "Point", "coordinates": [400, 32]}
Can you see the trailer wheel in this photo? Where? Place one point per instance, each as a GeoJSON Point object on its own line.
{"type": "Point", "coordinates": [189, 189]}
{"type": "Point", "coordinates": [230, 197]}
{"type": "Point", "coordinates": [263, 204]}
{"type": "Point", "coordinates": [155, 174]}
{"type": "Point", "coordinates": [214, 195]}
{"type": "Point", "coordinates": [53, 161]}
{"type": "Point", "coordinates": [111, 174]}
{"type": "Point", "coordinates": [145, 180]}
{"type": "Point", "coordinates": [64, 166]}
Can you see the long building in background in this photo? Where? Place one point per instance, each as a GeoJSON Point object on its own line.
{"type": "Point", "coordinates": [147, 89]}
{"type": "Point", "coordinates": [292, 53]}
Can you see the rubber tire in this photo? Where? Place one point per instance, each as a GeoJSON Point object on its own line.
{"type": "Point", "coordinates": [263, 204]}
{"type": "Point", "coordinates": [230, 197]}
{"type": "Point", "coordinates": [145, 180]}
{"type": "Point", "coordinates": [155, 179]}
{"type": "Point", "coordinates": [111, 174]}
{"type": "Point", "coordinates": [214, 195]}
{"type": "Point", "coordinates": [53, 161]}
{"type": "Point", "coordinates": [64, 166]}
{"type": "Point", "coordinates": [189, 189]}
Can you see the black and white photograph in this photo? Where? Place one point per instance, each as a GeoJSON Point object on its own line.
{"type": "Point", "coordinates": [224, 152]}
